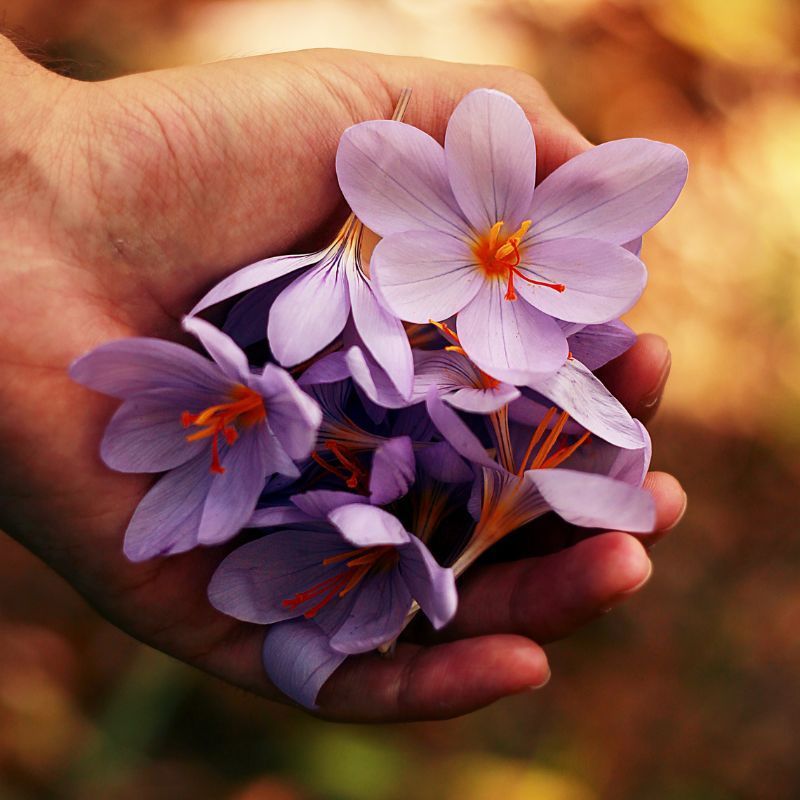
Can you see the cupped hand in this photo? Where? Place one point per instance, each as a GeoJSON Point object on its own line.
{"type": "Point", "coordinates": [123, 203]}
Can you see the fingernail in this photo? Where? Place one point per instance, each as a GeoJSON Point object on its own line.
{"type": "Point", "coordinates": [652, 398]}
{"type": "Point", "coordinates": [681, 513]}
{"type": "Point", "coordinates": [535, 686]}
{"type": "Point", "coordinates": [628, 592]}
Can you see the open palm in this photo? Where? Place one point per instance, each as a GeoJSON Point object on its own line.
{"type": "Point", "coordinates": [123, 203]}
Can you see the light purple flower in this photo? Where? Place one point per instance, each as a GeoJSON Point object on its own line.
{"type": "Point", "coordinates": [312, 311]}
{"type": "Point", "coordinates": [355, 574]}
{"type": "Point", "coordinates": [528, 479]}
{"type": "Point", "coordinates": [466, 234]}
{"type": "Point", "coordinates": [216, 428]}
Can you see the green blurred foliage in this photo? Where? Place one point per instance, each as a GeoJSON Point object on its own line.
{"type": "Point", "coordinates": [688, 694]}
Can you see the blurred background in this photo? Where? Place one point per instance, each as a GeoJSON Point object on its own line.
{"type": "Point", "coordinates": [690, 693]}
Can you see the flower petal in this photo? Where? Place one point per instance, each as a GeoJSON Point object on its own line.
{"type": "Point", "coordinates": [576, 390]}
{"type": "Point", "coordinates": [309, 314]}
{"type": "Point", "coordinates": [381, 332]}
{"type": "Point", "coordinates": [252, 583]}
{"type": "Point", "coordinates": [431, 585]}
{"type": "Point", "coordinates": [130, 366]}
{"type": "Point", "coordinates": [441, 462]}
{"type": "Point", "coordinates": [167, 519]}
{"type": "Point", "coordinates": [271, 516]}
{"type": "Point", "coordinates": [602, 280]}
{"type": "Point", "coordinates": [491, 159]}
{"type": "Point", "coordinates": [246, 322]}
{"type": "Point", "coordinates": [146, 435]}
{"type": "Point", "coordinates": [293, 416]}
{"type": "Point", "coordinates": [376, 615]}
{"type": "Point", "coordinates": [425, 275]}
{"type": "Point", "coordinates": [393, 471]}
{"type": "Point", "coordinates": [299, 659]}
{"type": "Point", "coordinates": [614, 192]}
{"type": "Point", "coordinates": [372, 380]}
{"type": "Point", "coordinates": [510, 339]}
{"type": "Point", "coordinates": [595, 501]}
{"type": "Point", "coordinates": [233, 495]}
{"type": "Point", "coordinates": [365, 526]}
{"type": "Point", "coordinates": [327, 369]}
{"type": "Point", "coordinates": [456, 432]}
{"type": "Point", "coordinates": [596, 345]}
{"type": "Point", "coordinates": [394, 178]}
{"type": "Point", "coordinates": [255, 275]}
{"type": "Point", "coordinates": [225, 352]}
{"type": "Point", "coordinates": [318, 503]}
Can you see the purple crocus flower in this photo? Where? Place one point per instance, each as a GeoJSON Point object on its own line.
{"type": "Point", "coordinates": [313, 309]}
{"type": "Point", "coordinates": [599, 487]}
{"type": "Point", "coordinates": [352, 571]}
{"type": "Point", "coordinates": [466, 234]}
{"type": "Point", "coordinates": [216, 428]}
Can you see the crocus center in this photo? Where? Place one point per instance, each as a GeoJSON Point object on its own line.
{"type": "Point", "coordinates": [355, 566]}
{"type": "Point", "coordinates": [348, 468]}
{"type": "Point", "coordinates": [499, 256]}
{"type": "Point", "coordinates": [245, 408]}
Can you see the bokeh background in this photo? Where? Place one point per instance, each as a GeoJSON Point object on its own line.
{"type": "Point", "coordinates": [690, 693]}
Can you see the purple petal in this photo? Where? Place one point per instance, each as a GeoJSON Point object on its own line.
{"type": "Point", "coordinates": [254, 581]}
{"type": "Point", "coordinates": [130, 366]}
{"type": "Point", "coordinates": [602, 280]}
{"type": "Point", "coordinates": [372, 380]}
{"type": "Point", "coordinates": [595, 501]}
{"type": "Point", "coordinates": [146, 435]}
{"type": "Point", "coordinates": [298, 659]}
{"type": "Point", "coordinates": [233, 495]}
{"type": "Point", "coordinates": [366, 526]}
{"type": "Point", "coordinates": [596, 345]}
{"type": "Point", "coordinates": [309, 314]}
{"type": "Point", "coordinates": [393, 471]}
{"type": "Point", "coordinates": [614, 192]}
{"type": "Point", "coordinates": [491, 159]}
{"type": "Point", "coordinates": [635, 246]}
{"type": "Point", "coordinates": [318, 503]}
{"type": "Point", "coordinates": [167, 519]}
{"type": "Point", "coordinates": [382, 333]}
{"type": "Point", "coordinates": [578, 392]}
{"type": "Point", "coordinates": [293, 416]}
{"type": "Point", "coordinates": [442, 463]}
{"type": "Point", "coordinates": [394, 178]}
{"type": "Point", "coordinates": [225, 352]}
{"type": "Point", "coordinates": [459, 382]}
{"type": "Point", "coordinates": [276, 459]}
{"type": "Point", "coordinates": [272, 516]}
{"type": "Point", "coordinates": [327, 369]}
{"type": "Point", "coordinates": [457, 434]}
{"type": "Point", "coordinates": [425, 275]}
{"type": "Point", "coordinates": [256, 275]}
{"type": "Point", "coordinates": [510, 339]}
{"type": "Point", "coordinates": [377, 613]}
{"type": "Point", "coordinates": [246, 322]}
{"type": "Point", "coordinates": [431, 585]}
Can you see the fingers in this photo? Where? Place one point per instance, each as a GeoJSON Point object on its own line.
{"type": "Point", "coordinates": [638, 377]}
{"type": "Point", "coordinates": [547, 598]}
{"type": "Point", "coordinates": [433, 682]}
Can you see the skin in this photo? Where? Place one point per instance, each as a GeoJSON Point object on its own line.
{"type": "Point", "coordinates": [122, 203]}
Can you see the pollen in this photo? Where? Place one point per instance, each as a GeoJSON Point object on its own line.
{"type": "Point", "coordinates": [499, 257]}
{"type": "Point", "coordinates": [245, 409]}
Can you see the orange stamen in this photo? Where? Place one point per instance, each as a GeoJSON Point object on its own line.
{"type": "Point", "coordinates": [245, 409]}
{"type": "Point", "coordinates": [537, 434]}
{"type": "Point", "coordinates": [353, 474]}
{"type": "Point", "coordinates": [500, 260]}
{"type": "Point", "coordinates": [358, 564]}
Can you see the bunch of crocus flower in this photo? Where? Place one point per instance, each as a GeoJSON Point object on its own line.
{"type": "Point", "coordinates": [379, 422]}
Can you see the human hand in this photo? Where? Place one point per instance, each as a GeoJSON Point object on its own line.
{"type": "Point", "coordinates": [124, 202]}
